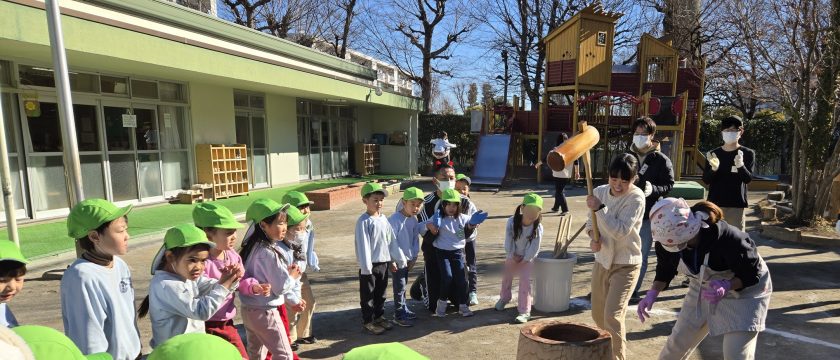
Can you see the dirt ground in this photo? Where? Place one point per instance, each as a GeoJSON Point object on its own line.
{"type": "Point", "coordinates": [803, 321]}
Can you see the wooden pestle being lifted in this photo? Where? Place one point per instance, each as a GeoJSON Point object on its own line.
{"type": "Point", "coordinates": [570, 150]}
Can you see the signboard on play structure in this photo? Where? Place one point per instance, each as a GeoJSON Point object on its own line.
{"type": "Point", "coordinates": [476, 117]}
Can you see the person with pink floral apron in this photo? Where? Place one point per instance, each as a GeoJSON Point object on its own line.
{"type": "Point", "coordinates": [730, 286]}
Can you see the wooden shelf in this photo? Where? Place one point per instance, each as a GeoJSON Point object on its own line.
{"type": "Point", "coordinates": [216, 162]}
{"type": "Point", "coordinates": [367, 159]}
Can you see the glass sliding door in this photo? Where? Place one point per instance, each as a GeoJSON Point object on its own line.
{"type": "Point", "coordinates": [325, 136]}
{"type": "Point", "coordinates": [175, 149]}
{"type": "Point", "coordinates": [12, 145]}
{"type": "Point", "coordinates": [250, 130]}
{"type": "Point", "coordinates": [122, 162]}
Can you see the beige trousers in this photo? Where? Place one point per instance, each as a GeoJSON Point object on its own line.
{"type": "Point", "coordinates": [734, 217]}
{"type": "Point", "coordinates": [684, 338]}
{"type": "Point", "coordinates": [300, 324]}
{"type": "Point", "coordinates": [611, 291]}
{"type": "Point", "coordinates": [265, 332]}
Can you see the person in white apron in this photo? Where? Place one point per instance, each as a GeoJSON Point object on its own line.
{"type": "Point", "coordinates": [730, 286]}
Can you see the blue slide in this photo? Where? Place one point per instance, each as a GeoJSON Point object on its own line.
{"type": "Point", "coordinates": [491, 159]}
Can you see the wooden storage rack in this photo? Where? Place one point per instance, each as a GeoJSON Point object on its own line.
{"type": "Point", "coordinates": [367, 159]}
{"type": "Point", "coordinates": [225, 167]}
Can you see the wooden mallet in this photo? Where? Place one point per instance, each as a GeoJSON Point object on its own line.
{"type": "Point", "coordinates": [570, 150]}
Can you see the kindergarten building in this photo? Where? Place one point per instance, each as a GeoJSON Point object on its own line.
{"type": "Point", "coordinates": [151, 80]}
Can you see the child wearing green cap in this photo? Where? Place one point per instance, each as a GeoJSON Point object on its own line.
{"type": "Point", "coordinates": [97, 296]}
{"type": "Point", "coordinates": [523, 235]}
{"type": "Point", "coordinates": [12, 270]}
{"type": "Point", "coordinates": [376, 250]}
{"type": "Point", "coordinates": [408, 231]}
{"type": "Point", "coordinates": [220, 225]}
{"type": "Point", "coordinates": [263, 261]}
{"type": "Point", "coordinates": [301, 324]}
{"type": "Point", "coordinates": [462, 184]}
{"type": "Point", "coordinates": [180, 297]}
{"type": "Point", "coordinates": [451, 230]}
{"type": "Point", "coordinates": [292, 253]}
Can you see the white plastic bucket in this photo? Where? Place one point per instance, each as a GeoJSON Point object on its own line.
{"type": "Point", "coordinates": [553, 282]}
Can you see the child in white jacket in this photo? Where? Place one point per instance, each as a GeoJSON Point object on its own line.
{"type": "Point", "coordinates": [523, 235]}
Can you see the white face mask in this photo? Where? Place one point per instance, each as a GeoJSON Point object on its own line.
{"type": "Point", "coordinates": [675, 248]}
{"type": "Point", "coordinates": [641, 141]}
{"type": "Point", "coordinates": [730, 137]}
{"type": "Point", "coordinates": [446, 185]}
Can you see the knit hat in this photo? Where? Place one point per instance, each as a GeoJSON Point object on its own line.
{"type": "Point", "coordinates": [672, 223]}
{"type": "Point", "coordinates": [195, 346]}
{"type": "Point", "coordinates": [91, 214]}
{"type": "Point", "coordinates": [210, 215]}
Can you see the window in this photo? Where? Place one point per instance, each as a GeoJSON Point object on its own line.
{"type": "Point", "coordinates": [36, 76]}
{"type": "Point", "coordinates": [114, 85]}
{"type": "Point", "coordinates": [658, 69]}
{"type": "Point", "coordinates": [5, 73]}
{"type": "Point", "coordinates": [144, 89]}
{"type": "Point", "coordinates": [84, 82]}
{"type": "Point", "coordinates": [172, 91]}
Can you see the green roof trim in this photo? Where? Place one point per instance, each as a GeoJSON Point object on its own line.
{"type": "Point", "coordinates": [193, 20]}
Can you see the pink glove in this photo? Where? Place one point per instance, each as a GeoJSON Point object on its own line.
{"type": "Point", "coordinates": [716, 291]}
{"type": "Point", "coordinates": [646, 304]}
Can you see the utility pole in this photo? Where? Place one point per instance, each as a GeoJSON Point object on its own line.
{"type": "Point", "coordinates": [505, 60]}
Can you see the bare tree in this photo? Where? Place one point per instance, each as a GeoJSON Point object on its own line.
{"type": "Point", "coordinates": [488, 94]}
{"type": "Point", "coordinates": [798, 45]}
{"type": "Point", "coordinates": [340, 27]}
{"type": "Point", "coordinates": [460, 90]}
{"type": "Point", "coordinates": [426, 34]}
{"type": "Point", "coordinates": [296, 20]}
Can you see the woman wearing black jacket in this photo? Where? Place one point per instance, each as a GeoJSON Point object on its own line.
{"type": "Point", "coordinates": [730, 286]}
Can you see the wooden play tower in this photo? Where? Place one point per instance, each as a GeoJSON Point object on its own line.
{"type": "Point", "coordinates": [582, 84]}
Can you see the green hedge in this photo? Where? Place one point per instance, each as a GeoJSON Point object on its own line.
{"type": "Point", "coordinates": [458, 129]}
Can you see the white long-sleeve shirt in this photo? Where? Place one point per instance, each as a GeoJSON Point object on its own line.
{"type": "Point", "coordinates": [521, 246]}
{"type": "Point", "coordinates": [97, 308]}
{"type": "Point", "coordinates": [452, 235]}
{"type": "Point", "coordinates": [408, 231]}
{"type": "Point", "coordinates": [178, 306]}
{"type": "Point", "coordinates": [376, 243]}
{"type": "Point", "coordinates": [309, 248]}
{"type": "Point", "coordinates": [293, 295]}
{"type": "Point", "coordinates": [267, 266]}
{"type": "Point", "coordinates": [619, 224]}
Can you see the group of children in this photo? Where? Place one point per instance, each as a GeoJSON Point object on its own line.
{"type": "Point", "coordinates": [195, 276]}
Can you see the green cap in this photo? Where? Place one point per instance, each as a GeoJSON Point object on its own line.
{"type": "Point", "coordinates": [50, 344]}
{"type": "Point", "coordinates": [263, 208]}
{"type": "Point", "coordinates": [462, 177]}
{"type": "Point", "coordinates": [210, 215]}
{"type": "Point", "coordinates": [296, 199]}
{"type": "Point", "coordinates": [91, 214]}
{"type": "Point", "coordinates": [413, 193]}
{"type": "Point", "coordinates": [373, 187]}
{"type": "Point", "coordinates": [185, 235]}
{"type": "Point", "coordinates": [10, 252]}
{"type": "Point", "coordinates": [294, 216]}
{"type": "Point", "coordinates": [450, 195]}
{"type": "Point", "coordinates": [195, 346]}
{"type": "Point", "coordinates": [385, 351]}
{"type": "Point", "coordinates": [533, 200]}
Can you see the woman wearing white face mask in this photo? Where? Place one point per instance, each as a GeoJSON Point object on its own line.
{"type": "Point", "coordinates": [728, 170]}
{"type": "Point", "coordinates": [730, 285]}
{"type": "Point", "coordinates": [656, 179]}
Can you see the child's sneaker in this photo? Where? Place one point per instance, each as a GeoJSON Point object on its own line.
{"type": "Point", "coordinates": [410, 315]}
{"type": "Point", "coordinates": [402, 321]}
{"type": "Point", "coordinates": [440, 309]}
{"type": "Point", "coordinates": [383, 323]}
{"type": "Point", "coordinates": [465, 311]}
{"type": "Point", "coordinates": [523, 318]}
{"type": "Point", "coordinates": [473, 298]}
{"type": "Point", "coordinates": [500, 305]}
{"type": "Point", "coordinates": [374, 329]}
